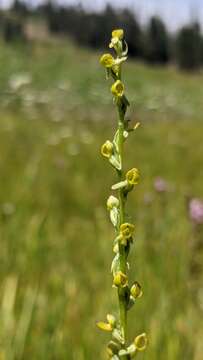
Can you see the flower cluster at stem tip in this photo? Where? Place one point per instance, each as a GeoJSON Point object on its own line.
{"type": "Point", "coordinates": [112, 150]}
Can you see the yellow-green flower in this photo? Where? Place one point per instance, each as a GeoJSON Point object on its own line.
{"type": "Point", "coordinates": [120, 279]}
{"type": "Point", "coordinates": [117, 36]}
{"type": "Point", "coordinates": [133, 176]}
{"type": "Point", "coordinates": [107, 60]}
{"type": "Point", "coordinates": [136, 290]}
{"type": "Point", "coordinates": [141, 342]}
{"type": "Point", "coordinates": [118, 33]}
{"type": "Point", "coordinates": [114, 43]}
{"type": "Point", "coordinates": [127, 230]}
{"type": "Point", "coordinates": [117, 88]}
{"type": "Point", "coordinates": [107, 149]}
{"type": "Point", "coordinates": [109, 326]}
{"type": "Point", "coordinates": [104, 326]}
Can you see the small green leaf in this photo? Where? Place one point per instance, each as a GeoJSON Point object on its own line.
{"type": "Point", "coordinates": [115, 266]}
{"type": "Point", "coordinates": [116, 141]}
{"type": "Point", "coordinates": [115, 161]}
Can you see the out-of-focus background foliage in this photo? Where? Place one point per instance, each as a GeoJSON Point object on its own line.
{"type": "Point", "coordinates": [56, 240]}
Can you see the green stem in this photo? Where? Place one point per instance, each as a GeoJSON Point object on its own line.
{"type": "Point", "coordinates": [122, 253]}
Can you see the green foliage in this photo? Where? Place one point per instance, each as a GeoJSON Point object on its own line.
{"type": "Point", "coordinates": [12, 28]}
{"type": "Point", "coordinates": [154, 44]}
{"type": "Point", "coordinates": [189, 47]}
{"type": "Point", "coordinates": [124, 231]}
{"type": "Point", "coordinates": [157, 43]}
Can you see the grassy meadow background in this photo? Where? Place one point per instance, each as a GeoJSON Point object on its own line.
{"type": "Point", "coordinates": [56, 239]}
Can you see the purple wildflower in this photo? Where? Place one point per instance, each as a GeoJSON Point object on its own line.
{"type": "Point", "coordinates": [160, 185]}
{"type": "Point", "coordinates": [196, 210]}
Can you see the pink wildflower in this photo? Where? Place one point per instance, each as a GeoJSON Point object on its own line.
{"type": "Point", "coordinates": [196, 210]}
{"type": "Point", "coordinates": [160, 185]}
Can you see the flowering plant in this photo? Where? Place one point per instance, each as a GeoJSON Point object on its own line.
{"type": "Point", "coordinates": [118, 347]}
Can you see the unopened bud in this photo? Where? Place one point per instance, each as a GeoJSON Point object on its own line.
{"type": "Point", "coordinates": [120, 279]}
{"type": "Point", "coordinates": [136, 290]}
{"type": "Point", "coordinates": [112, 202]}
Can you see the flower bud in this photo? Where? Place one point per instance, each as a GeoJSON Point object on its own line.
{"type": "Point", "coordinates": [107, 60]}
{"type": "Point", "coordinates": [127, 230]}
{"type": "Point", "coordinates": [136, 290]}
{"type": "Point", "coordinates": [107, 149]}
{"type": "Point", "coordinates": [117, 89]}
{"type": "Point", "coordinates": [133, 176]}
{"type": "Point", "coordinates": [112, 202]}
{"type": "Point", "coordinates": [118, 33]}
{"type": "Point", "coordinates": [141, 342]}
{"type": "Point", "coordinates": [120, 279]}
{"type": "Point", "coordinates": [116, 41]}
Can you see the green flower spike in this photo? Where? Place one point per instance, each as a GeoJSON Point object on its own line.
{"type": "Point", "coordinates": [119, 348]}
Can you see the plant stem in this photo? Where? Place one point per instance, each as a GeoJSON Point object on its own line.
{"type": "Point", "coordinates": [122, 252]}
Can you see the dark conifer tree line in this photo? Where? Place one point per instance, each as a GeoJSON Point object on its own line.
{"type": "Point", "coordinates": [151, 43]}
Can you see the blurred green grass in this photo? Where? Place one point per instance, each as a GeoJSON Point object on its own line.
{"type": "Point", "coordinates": [56, 239]}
